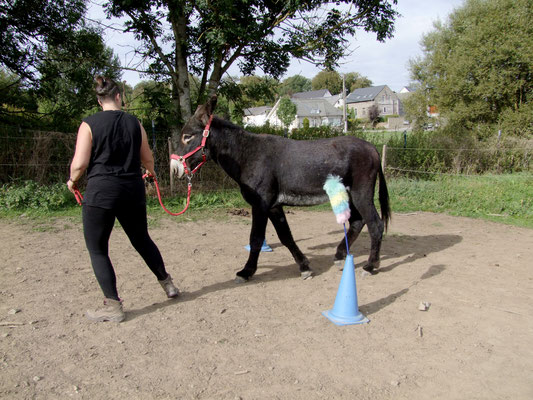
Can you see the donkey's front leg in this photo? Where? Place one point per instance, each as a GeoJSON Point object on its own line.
{"type": "Point", "coordinates": [278, 219]}
{"type": "Point", "coordinates": [257, 237]}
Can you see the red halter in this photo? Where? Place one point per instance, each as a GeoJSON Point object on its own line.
{"type": "Point", "coordinates": [183, 159]}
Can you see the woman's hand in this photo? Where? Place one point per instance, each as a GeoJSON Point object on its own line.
{"type": "Point", "coordinates": [72, 186]}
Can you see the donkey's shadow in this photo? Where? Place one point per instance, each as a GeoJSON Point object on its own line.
{"type": "Point", "coordinates": [402, 248]}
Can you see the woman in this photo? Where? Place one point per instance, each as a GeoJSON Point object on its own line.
{"type": "Point", "coordinates": [111, 146]}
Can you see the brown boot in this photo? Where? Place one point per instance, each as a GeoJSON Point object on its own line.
{"type": "Point", "coordinates": [111, 311]}
{"type": "Point", "coordinates": [169, 288]}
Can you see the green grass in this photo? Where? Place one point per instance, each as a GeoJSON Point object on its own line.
{"type": "Point", "coordinates": [506, 199]}
{"type": "Point", "coordinates": [501, 198]}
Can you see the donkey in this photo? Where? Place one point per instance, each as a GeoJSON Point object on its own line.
{"type": "Point", "coordinates": [273, 171]}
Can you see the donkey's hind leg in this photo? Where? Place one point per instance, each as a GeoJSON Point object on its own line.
{"type": "Point", "coordinates": [375, 225]}
{"type": "Point", "coordinates": [277, 217]}
{"type": "Point", "coordinates": [356, 225]}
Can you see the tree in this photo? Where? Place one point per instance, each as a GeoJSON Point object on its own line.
{"type": "Point", "coordinates": [354, 80]}
{"type": "Point", "coordinates": [373, 114]}
{"type": "Point", "coordinates": [66, 78]}
{"type": "Point", "coordinates": [206, 38]}
{"type": "Point", "coordinates": [286, 111]}
{"type": "Point", "coordinates": [330, 80]}
{"type": "Point", "coordinates": [15, 100]}
{"type": "Point", "coordinates": [294, 84]}
{"type": "Point", "coordinates": [477, 68]}
{"type": "Point", "coordinates": [29, 27]}
{"type": "Point", "coordinates": [258, 91]}
{"type": "Point", "coordinates": [54, 56]}
{"type": "Point", "coordinates": [150, 101]}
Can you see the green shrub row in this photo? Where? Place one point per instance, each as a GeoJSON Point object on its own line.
{"type": "Point", "coordinates": [30, 195]}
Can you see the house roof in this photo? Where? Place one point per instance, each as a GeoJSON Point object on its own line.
{"type": "Point", "coordinates": [314, 94]}
{"type": "Point", "coordinates": [408, 89]}
{"type": "Point", "coordinates": [257, 110]}
{"type": "Point", "coordinates": [364, 94]}
{"type": "Point", "coordinates": [316, 108]}
{"type": "Point", "coordinates": [333, 99]}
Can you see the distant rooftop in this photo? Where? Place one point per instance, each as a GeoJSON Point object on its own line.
{"type": "Point", "coordinates": [314, 94]}
{"type": "Point", "coordinates": [316, 107]}
{"type": "Point", "coordinates": [364, 94]}
{"type": "Point", "coordinates": [257, 110]}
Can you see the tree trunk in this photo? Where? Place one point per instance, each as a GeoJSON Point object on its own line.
{"type": "Point", "coordinates": [180, 80]}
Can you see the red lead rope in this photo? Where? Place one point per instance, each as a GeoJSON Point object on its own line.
{"type": "Point", "coordinates": [79, 196]}
{"type": "Point", "coordinates": [161, 201]}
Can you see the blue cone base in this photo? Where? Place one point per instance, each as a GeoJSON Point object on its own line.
{"type": "Point", "coordinates": [265, 247]}
{"type": "Point", "coordinates": [339, 320]}
{"type": "Point", "coordinates": [345, 311]}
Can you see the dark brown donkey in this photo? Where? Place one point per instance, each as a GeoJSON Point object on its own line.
{"type": "Point", "coordinates": [273, 172]}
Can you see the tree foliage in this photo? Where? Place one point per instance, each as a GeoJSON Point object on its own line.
{"type": "Point", "coordinates": [67, 72]}
{"type": "Point", "coordinates": [286, 111]}
{"type": "Point", "coordinates": [330, 80]}
{"type": "Point", "coordinates": [373, 114]}
{"type": "Point", "coordinates": [50, 57]}
{"type": "Point", "coordinates": [354, 80]}
{"type": "Point", "coordinates": [477, 67]}
{"type": "Point", "coordinates": [206, 38]}
{"type": "Point", "coordinates": [294, 84]}
{"type": "Point", "coordinates": [29, 27]}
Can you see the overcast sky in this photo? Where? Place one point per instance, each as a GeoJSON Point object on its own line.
{"type": "Point", "coordinates": [383, 63]}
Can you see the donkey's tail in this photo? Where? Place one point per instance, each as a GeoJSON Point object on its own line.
{"type": "Point", "coordinates": [384, 198]}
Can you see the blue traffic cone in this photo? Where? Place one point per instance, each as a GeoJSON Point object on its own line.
{"type": "Point", "coordinates": [264, 247]}
{"type": "Point", "coordinates": [345, 311]}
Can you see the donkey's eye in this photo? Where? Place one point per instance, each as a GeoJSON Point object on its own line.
{"type": "Point", "coordinates": [186, 138]}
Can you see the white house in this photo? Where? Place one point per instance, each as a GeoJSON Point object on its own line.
{"type": "Point", "coordinates": [318, 111]}
{"type": "Point", "coordinates": [256, 116]}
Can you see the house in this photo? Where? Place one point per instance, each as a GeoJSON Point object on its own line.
{"type": "Point", "coordinates": [407, 89]}
{"type": "Point", "coordinates": [313, 94]}
{"type": "Point", "coordinates": [318, 111]}
{"type": "Point", "coordinates": [361, 100]}
{"type": "Point", "coordinates": [256, 116]}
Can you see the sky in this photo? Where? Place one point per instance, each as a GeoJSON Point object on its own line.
{"type": "Point", "coordinates": [383, 63]}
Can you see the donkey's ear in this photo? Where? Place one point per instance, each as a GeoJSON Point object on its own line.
{"type": "Point", "coordinates": [204, 111]}
{"type": "Point", "coordinates": [211, 104]}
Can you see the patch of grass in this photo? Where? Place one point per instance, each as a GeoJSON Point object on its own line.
{"type": "Point", "coordinates": [506, 199]}
{"type": "Point", "coordinates": [501, 198]}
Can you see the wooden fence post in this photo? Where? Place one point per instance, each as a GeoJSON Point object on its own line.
{"type": "Point", "coordinates": [170, 169]}
{"type": "Point", "coordinates": [384, 157]}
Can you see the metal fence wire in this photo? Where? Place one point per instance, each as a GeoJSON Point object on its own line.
{"type": "Point", "coordinates": [44, 157]}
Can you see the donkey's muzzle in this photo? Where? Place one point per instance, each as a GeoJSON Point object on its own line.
{"type": "Point", "coordinates": [176, 168]}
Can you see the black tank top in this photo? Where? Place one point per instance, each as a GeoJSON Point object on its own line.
{"type": "Point", "coordinates": [114, 176]}
{"type": "Point", "coordinates": [116, 147]}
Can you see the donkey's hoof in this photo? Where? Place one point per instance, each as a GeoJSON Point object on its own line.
{"type": "Point", "coordinates": [339, 264]}
{"type": "Point", "coordinates": [240, 279]}
{"type": "Point", "coordinates": [370, 270]}
{"type": "Point", "coordinates": [306, 274]}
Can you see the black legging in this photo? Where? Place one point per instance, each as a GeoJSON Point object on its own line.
{"type": "Point", "coordinates": [97, 226]}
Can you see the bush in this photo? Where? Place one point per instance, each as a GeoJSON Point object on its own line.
{"type": "Point", "coordinates": [30, 195]}
{"type": "Point", "coordinates": [446, 152]}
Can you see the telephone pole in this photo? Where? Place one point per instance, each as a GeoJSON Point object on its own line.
{"type": "Point", "coordinates": [345, 120]}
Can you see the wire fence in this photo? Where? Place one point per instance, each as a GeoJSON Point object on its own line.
{"type": "Point", "coordinates": [44, 157]}
{"type": "Point", "coordinates": [434, 161]}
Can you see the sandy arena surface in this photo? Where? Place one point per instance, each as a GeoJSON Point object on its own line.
{"type": "Point", "coordinates": [267, 339]}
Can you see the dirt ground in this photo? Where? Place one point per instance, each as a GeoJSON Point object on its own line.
{"type": "Point", "coordinates": [268, 339]}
